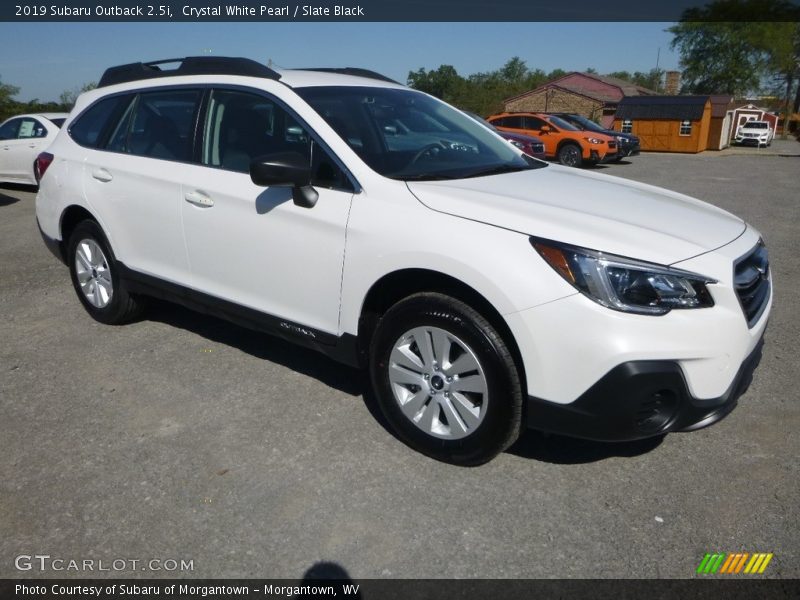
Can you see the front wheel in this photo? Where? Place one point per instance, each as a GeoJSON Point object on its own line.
{"type": "Point", "coordinates": [570, 155]}
{"type": "Point", "coordinates": [445, 380]}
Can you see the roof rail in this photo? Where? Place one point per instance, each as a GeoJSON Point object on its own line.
{"type": "Point", "coordinates": [190, 65]}
{"type": "Point", "coordinates": [355, 71]}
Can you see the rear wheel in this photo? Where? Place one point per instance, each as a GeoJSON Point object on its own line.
{"type": "Point", "coordinates": [96, 278]}
{"type": "Point", "coordinates": [570, 155]}
{"type": "Point", "coordinates": [445, 380]}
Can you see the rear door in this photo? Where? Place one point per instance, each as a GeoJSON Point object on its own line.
{"type": "Point", "coordinates": [8, 140]}
{"type": "Point", "coordinates": [29, 143]}
{"type": "Point", "coordinates": [252, 245]}
{"type": "Point", "coordinates": [133, 180]}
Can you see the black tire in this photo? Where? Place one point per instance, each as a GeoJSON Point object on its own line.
{"type": "Point", "coordinates": [122, 306]}
{"type": "Point", "coordinates": [570, 155]}
{"type": "Point", "coordinates": [502, 408]}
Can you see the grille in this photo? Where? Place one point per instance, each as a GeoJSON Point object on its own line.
{"type": "Point", "coordinates": [751, 279]}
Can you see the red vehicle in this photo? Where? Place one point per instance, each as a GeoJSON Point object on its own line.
{"type": "Point", "coordinates": [529, 144]}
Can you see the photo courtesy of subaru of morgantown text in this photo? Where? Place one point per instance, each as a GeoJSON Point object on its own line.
{"type": "Point", "coordinates": [484, 290]}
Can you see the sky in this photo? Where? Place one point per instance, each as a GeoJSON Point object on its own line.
{"type": "Point", "coordinates": [45, 59]}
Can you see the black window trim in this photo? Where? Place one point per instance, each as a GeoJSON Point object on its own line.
{"type": "Point", "coordinates": [355, 185]}
{"type": "Point", "coordinates": [199, 123]}
{"type": "Point", "coordinates": [105, 134]}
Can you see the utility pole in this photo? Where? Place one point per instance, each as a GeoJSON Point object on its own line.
{"type": "Point", "coordinates": [658, 75]}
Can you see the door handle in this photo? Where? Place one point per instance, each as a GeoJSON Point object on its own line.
{"type": "Point", "coordinates": [102, 175]}
{"type": "Point", "coordinates": [198, 199]}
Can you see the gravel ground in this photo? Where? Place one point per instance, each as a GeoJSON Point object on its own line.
{"type": "Point", "coordinates": [182, 437]}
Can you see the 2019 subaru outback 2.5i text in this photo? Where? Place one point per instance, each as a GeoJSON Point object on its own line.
{"type": "Point", "coordinates": [484, 290]}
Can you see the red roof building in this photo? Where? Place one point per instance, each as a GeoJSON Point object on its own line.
{"type": "Point", "coordinates": [594, 96]}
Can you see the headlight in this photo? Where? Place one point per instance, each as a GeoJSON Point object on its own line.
{"type": "Point", "coordinates": [623, 283]}
{"type": "Point", "coordinates": [519, 145]}
{"type": "Point", "coordinates": [620, 139]}
{"type": "Point", "coordinates": [593, 140]}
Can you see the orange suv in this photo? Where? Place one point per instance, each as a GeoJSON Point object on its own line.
{"type": "Point", "coordinates": [571, 146]}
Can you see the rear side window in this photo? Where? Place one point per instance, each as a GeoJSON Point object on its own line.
{"type": "Point", "coordinates": [88, 128]}
{"type": "Point", "coordinates": [158, 125]}
{"type": "Point", "coordinates": [31, 128]}
{"type": "Point", "coordinates": [9, 129]}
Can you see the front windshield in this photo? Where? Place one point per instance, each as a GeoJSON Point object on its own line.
{"type": "Point", "coordinates": [408, 135]}
{"type": "Point", "coordinates": [562, 124]}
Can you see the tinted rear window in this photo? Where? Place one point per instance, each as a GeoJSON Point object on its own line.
{"type": "Point", "coordinates": [88, 128]}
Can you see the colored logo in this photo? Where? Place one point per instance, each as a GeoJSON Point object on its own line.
{"type": "Point", "coordinates": [731, 563]}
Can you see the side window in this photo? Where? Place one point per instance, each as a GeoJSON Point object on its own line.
{"type": "Point", "coordinates": [240, 126]}
{"type": "Point", "coordinates": [159, 125]}
{"type": "Point", "coordinates": [87, 130]}
{"type": "Point", "coordinates": [9, 129]}
{"type": "Point", "coordinates": [534, 123]}
{"type": "Point", "coordinates": [686, 128]}
{"type": "Point", "coordinates": [118, 140]}
{"type": "Point", "coordinates": [627, 126]}
{"type": "Point", "coordinates": [31, 128]}
{"type": "Point", "coordinates": [515, 122]}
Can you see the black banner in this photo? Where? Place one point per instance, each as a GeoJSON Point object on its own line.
{"type": "Point", "coordinates": [403, 589]}
{"type": "Point", "coordinates": [385, 10]}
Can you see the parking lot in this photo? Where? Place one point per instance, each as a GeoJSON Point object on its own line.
{"type": "Point", "coordinates": [181, 437]}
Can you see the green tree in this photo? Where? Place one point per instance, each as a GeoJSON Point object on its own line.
{"type": "Point", "coordinates": [717, 58]}
{"type": "Point", "coordinates": [68, 97]}
{"type": "Point", "coordinates": [734, 46]}
{"type": "Point", "coordinates": [444, 82]}
{"type": "Point", "coordinates": [7, 104]}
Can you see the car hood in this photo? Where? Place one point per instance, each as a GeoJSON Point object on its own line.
{"type": "Point", "coordinates": [594, 211]}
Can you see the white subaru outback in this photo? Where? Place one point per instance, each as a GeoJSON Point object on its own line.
{"type": "Point", "coordinates": [484, 290]}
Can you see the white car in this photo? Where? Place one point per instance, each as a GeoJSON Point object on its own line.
{"type": "Point", "coordinates": [757, 133]}
{"type": "Point", "coordinates": [22, 138]}
{"type": "Point", "coordinates": [485, 291]}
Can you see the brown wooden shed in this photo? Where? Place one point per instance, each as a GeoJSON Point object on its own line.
{"type": "Point", "coordinates": [666, 123]}
{"type": "Point", "coordinates": [719, 133]}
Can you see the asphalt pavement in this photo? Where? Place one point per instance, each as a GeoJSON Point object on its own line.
{"type": "Point", "coordinates": [184, 438]}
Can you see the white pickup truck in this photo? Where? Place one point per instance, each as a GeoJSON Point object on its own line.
{"type": "Point", "coordinates": [754, 132]}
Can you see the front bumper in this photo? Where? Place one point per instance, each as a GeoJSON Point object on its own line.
{"type": "Point", "coordinates": [629, 150]}
{"type": "Point", "coordinates": [639, 399]}
{"type": "Point", "coordinates": [751, 142]}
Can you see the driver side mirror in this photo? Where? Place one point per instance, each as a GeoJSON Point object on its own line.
{"type": "Point", "coordinates": [545, 129]}
{"type": "Point", "coordinates": [286, 169]}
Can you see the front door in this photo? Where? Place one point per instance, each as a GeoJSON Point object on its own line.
{"type": "Point", "coordinates": [252, 245]}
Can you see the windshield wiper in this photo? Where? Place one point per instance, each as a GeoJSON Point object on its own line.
{"type": "Point", "coordinates": [497, 170]}
{"type": "Point", "coordinates": [424, 177]}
